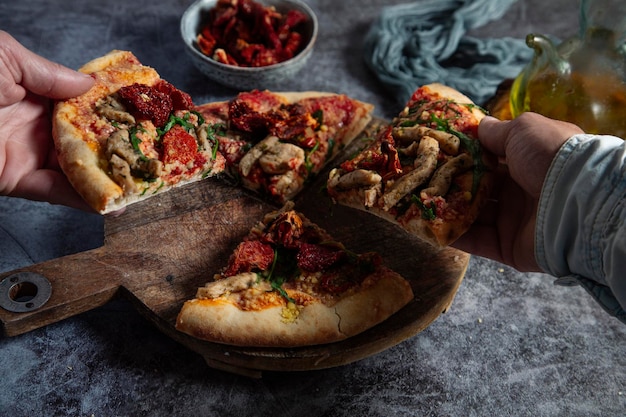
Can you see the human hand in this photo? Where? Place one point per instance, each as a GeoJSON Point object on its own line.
{"type": "Point", "coordinates": [525, 146]}
{"type": "Point", "coordinates": [28, 163]}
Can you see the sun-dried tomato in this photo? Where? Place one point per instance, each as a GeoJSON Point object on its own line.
{"type": "Point", "coordinates": [233, 150]}
{"type": "Point", "coordinates": [206, 42]}
{"type": "Point", "coordinates": [154, 103]}
{"type": "Point", "coordinates": [249, 256]}
{"type": "Point", "coordinates": [286, 230]}
{"type": "Point", "coordinates": [370, 159]}
{"type": "Point", "coordinates": [293, 127]}
{"type": "Point", "coordinates": [243, 117]}
{"type": "Point", "coordinates": [178, 145]}
{"type": "Point", "coordinates": [313, 258]}
{"type": "Point", "coordinates": [350, 274]}
{"type": "Point", "coordinates": [262, 113]}
{"type": "Point", "coordinates": [146, 103]}
{"type": "Point", "coordinates": [336, 282]}
{"type": "Point", "coordinates": [248, 34]}
{"type": "Point", "coordinates": [381, 157]}
{"type": "Point", "coordinates": [180, 99]}
{"type": "Point", "coordinates": [393, 166]}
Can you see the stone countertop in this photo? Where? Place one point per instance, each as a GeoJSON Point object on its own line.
{"type": "Point", "coordinates": [511, 343]}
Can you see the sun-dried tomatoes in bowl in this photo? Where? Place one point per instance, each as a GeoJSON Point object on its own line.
{"type": "Point", "coordinates": [246, 44]}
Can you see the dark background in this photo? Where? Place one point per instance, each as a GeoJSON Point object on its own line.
{"type": "Point", "coordinates": [511, 344]}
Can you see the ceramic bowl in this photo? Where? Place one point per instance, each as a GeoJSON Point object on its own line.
{"type": "Point", "coordinates": [247, 78]}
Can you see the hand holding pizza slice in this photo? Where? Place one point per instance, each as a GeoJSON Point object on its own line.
{"type": "Point", "coordinates": [425, 171]}
{"type": "Point", "coordinates": [132, 135]}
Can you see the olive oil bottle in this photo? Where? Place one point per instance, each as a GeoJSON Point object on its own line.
{"type": "Point", "coordinates": [583, 79]}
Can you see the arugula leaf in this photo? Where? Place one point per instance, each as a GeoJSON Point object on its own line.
{"type": "Point", "coordinates": [277, 276]}
{"type": "Point", "coordinates": [307, 162]}
{"type": "Point", "coordinates": [199, 116]}
{"type": "Point", "coordinates": [318, 115]}
{"type": "Point", "coordinates": [212, 130]}
{"type": "Point", "coordinates": [175, 120]}
{"type": "Point", "coordinates": [428, 212]}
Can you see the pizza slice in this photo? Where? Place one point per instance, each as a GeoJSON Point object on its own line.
{"type": "Point", "coordinates": [289, 283]}
{"type": "Point", "coordinates": [132, 135]}
{"type": "Point", "coordinates": [275, 142]}
{"type": "Point", "coordinates": [425, 171]}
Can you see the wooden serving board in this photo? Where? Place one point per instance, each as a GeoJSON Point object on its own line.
{"type": "Point", "coordinates": [158, 252]}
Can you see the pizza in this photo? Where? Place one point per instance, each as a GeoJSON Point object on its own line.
{"type": "Point", "coordinates": [288, 283]}
{"type": "Point", "coordinates": [274, 143]}
{"type": "Point", "coordinates": [131, 136]}
{"type": "Point", "coordinates": [425, 171]}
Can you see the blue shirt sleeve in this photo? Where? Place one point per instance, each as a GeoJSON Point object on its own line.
{"type": "Point", "coordinates": [580, 235]}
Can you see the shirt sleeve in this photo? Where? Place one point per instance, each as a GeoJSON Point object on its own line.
{"type": "Point", "coordinates": [580, 235]}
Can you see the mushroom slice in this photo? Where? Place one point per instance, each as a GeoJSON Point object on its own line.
{"type": "Point", "coordinates": [246, 163]}
{"type": "Point", "coordinates": [113, 110]}
{"type": "Point", "coordinates": [448, 142]}
{"type": "Point", "coordinates": [286, 185]}
{"type": "Point", "coordinates": [442, 178]}
{"type": "Point", "coordinates": [359, 178]}
{"type": "Point", "coordinates": [120, 172]}
{"type": "Point", "coordinates": [140, 166]}
{"type": "Point", "coordinates": [281, 158]}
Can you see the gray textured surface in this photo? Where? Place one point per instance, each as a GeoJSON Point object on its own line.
{"type": "Point", "coordinates": [511, 344]}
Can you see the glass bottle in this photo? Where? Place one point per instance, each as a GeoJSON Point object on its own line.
{"type": "Point", "coordinates": [583, 79]}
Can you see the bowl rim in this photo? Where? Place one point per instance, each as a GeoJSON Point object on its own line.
{"type": "Point", "coordinates": [197, 6]}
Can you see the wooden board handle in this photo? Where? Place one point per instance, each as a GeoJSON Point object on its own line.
{"type": "Point", "coordinates": [77, 283]}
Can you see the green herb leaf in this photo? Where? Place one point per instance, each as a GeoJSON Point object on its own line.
{"type": "Point", "coordinates": [277, 277]}
{"type": "Point", "coordinates": [135, 141]}
{"type": "Point", "coordinates": [479, 169]}
{"type": "Point", "coordinates": [174, 120]}
{"type": "Point", "coordinates": [214, 130]}
{"type": "Point", "coordinates": [428, 212]}
{"type": "Point", "coordinates": [199, 116]}
{"type": "Point", "coordinates": [307, 162]}
{"type": "Point", "coordinates": [318, 115]}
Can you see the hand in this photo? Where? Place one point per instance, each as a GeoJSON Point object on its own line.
{"type": "Point", "coordinates": [28, 162]}
{"type": "Point", "coordinates": [525, 146]}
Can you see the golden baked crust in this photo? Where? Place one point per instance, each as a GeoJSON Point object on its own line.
{"type": "Point", "coordinates": [221, 320]}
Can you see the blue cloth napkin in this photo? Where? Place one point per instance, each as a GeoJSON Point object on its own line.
{"type": "Point", "coordinates": [425, 41]}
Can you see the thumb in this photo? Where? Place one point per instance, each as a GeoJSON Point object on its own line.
{"type": "Point", "coordinates": [493, 134]}
{"type": "Point", "coordinates": [37, 74]}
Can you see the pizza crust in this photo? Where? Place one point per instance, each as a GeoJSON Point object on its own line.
{"type": "Point", "coordinates": [219, 320]}
{"type": "Point", "coordinates": [456, 96]}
